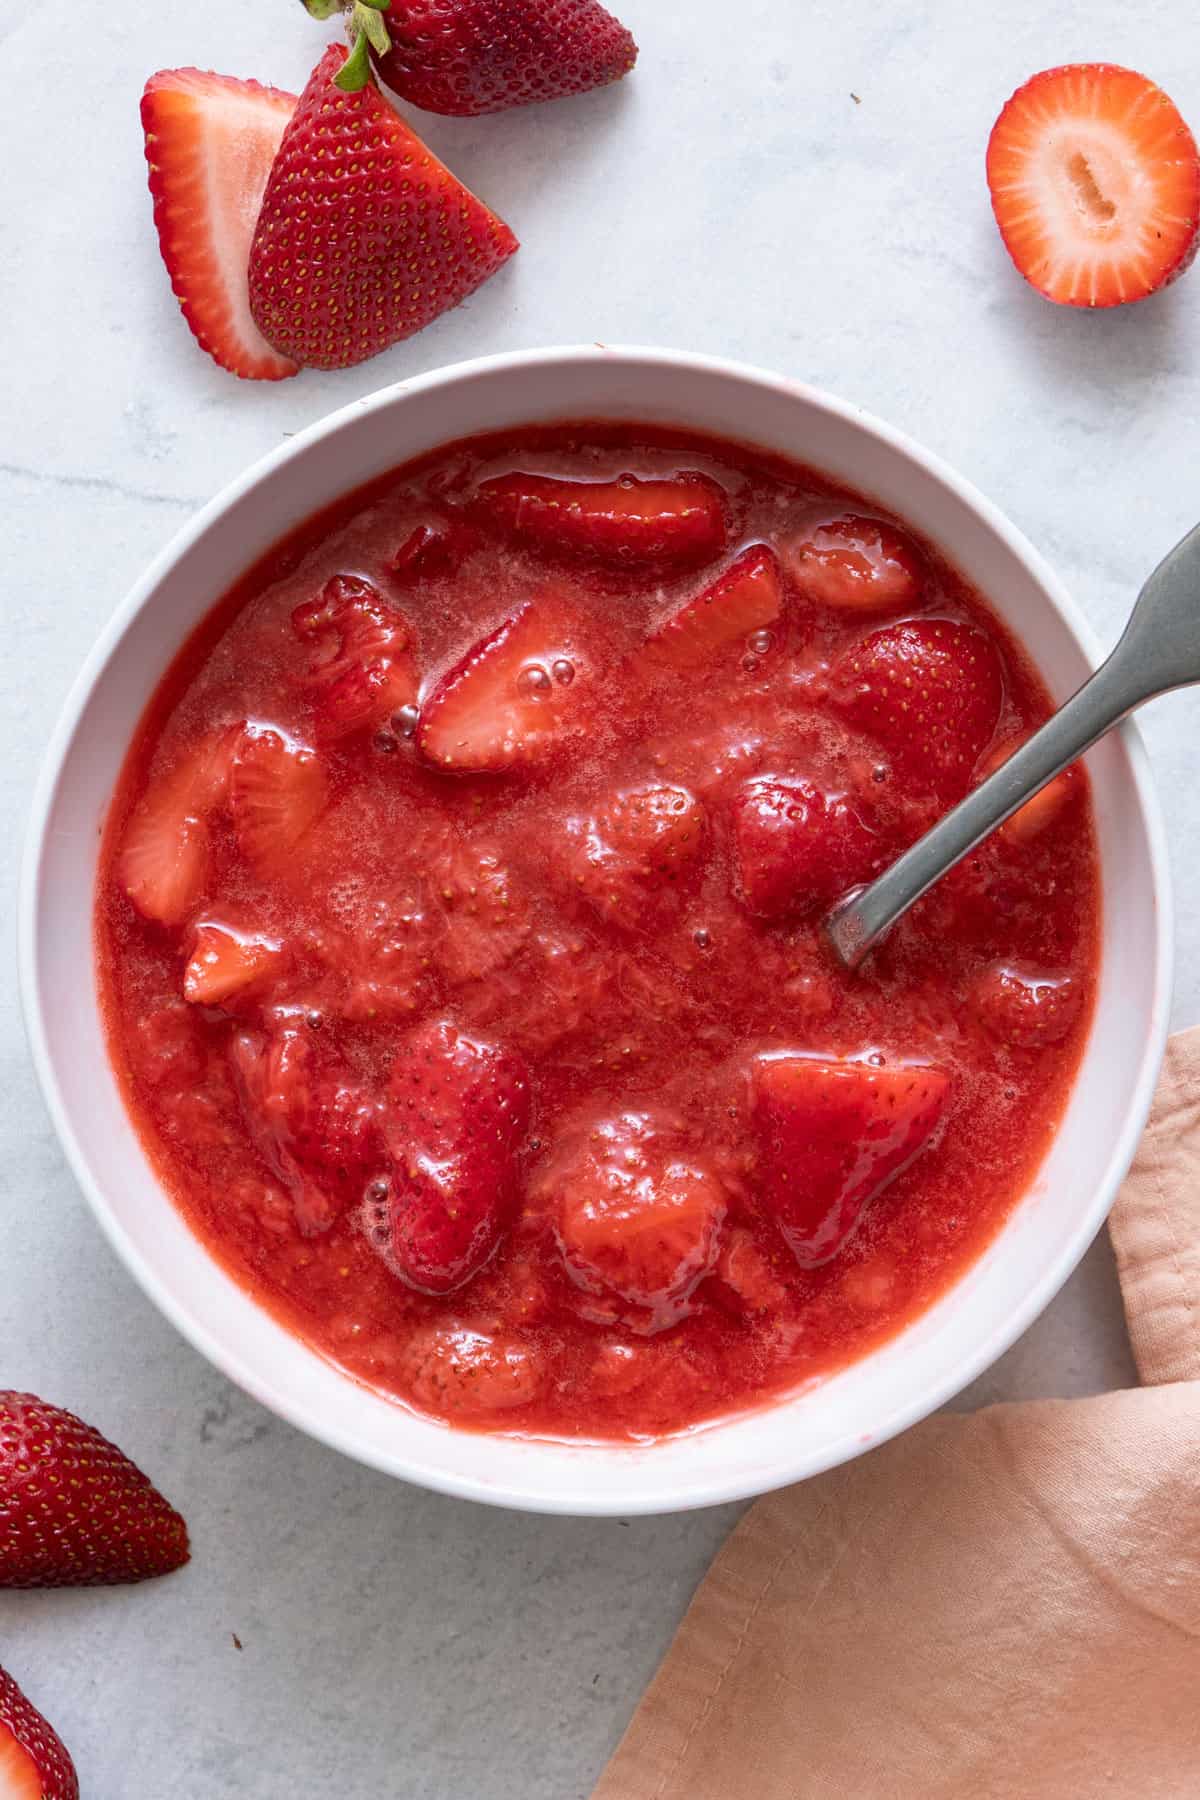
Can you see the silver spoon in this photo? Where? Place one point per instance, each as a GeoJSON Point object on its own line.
{"type": "Point", "coordinates": [1159, 650]}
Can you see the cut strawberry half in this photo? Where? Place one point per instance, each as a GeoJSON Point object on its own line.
{"type": "Point", "coordinates": [226, 962]}
{"type": "Point", "coordinates": [744, 601]}
{"type": "Point", "coordinates": [34, 1762]}
{"type": "Point", "coordinates": [831, 1136]}
{"type": "Point", "coordinates": [1024, 1008]}
{"type": "Point", "coordinates": [363, 669]}
{"type": "Point", "coordinates": [210, 144]}
{"type": "Point", "coordinates": [858, 564]}
{"type": "Point", "coordinates": [163, 864]}
{"type": "Point", "coordinates": [638, 848]}
{"type": "Point", "coordinates": [1095, 184]}
{"type": "Point", "coordinates": [513, 698]}
{"type": "Point", "coordinates": [628, 522]}
{"type": "Point", "coordinates": [797, 847]}
{"type": "Point", "coordinates": [277, 791]}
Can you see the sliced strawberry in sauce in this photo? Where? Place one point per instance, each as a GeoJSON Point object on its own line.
{"type": "Point", "coordinates": [639, 846]}
{"type": "Point", "coordinates": [316, 1125]}
{"type": "Point", "coordinates": [225, 962]}
{"type": "Point", "coordinates": [737, 609]}
{"type": "Point", "coordinates": [363, 669]}
{"type": "Point", "coordinates": [513, 699]}
{"type": "Point", "coordinates": [432, 550]}
{"type": "Point", "coordinates": [456, 1113]}
{"type": "Point", "coordinates": [858, 564]}
{"type": "Point", "coordinates": [831, 1135]}
{"type": "Point", "coordinates": [458, 1372]}
{"type": "Point", "coordinates": [484, 911]}
{"type": "Point", "coordinates": [797, 847]}
{"type": "Point", "coordinates": [1026, 1009]}
{"type": "Point", "coordinates": [163, 864]}
{"type": "Point", "coordinates": [650, 525]}
{"type": "Point", "coordinates": [929, 692]}
{"type": "Point", "coordinates": [1032, 819]}
{"type": "Point", "coordinates": [277, 791]}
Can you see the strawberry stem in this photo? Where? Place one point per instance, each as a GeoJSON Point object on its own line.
{"type": "Point", "coordinates": [368, 33]}
{"type": "Point", "coordinates": [322, 9]}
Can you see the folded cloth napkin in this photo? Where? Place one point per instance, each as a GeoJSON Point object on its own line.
{"type": "Point", "coordinates": [1001, 1606]}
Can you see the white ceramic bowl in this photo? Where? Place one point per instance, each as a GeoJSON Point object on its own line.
{"type": "Point", "coordinates": [748, 1454]}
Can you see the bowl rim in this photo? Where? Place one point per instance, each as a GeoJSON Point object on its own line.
{"type": "Point", "coordinates": [933, 1394]}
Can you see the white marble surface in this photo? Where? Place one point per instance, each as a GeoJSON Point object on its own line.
{"type": "Point", "coordinates": [732, 197]}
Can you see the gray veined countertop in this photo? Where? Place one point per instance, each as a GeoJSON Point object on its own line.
{"type": "Point", "coordinates": [732, 197]}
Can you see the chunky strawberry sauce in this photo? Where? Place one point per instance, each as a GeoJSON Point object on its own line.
{"type": "Point", "coordinates": [458, 932]}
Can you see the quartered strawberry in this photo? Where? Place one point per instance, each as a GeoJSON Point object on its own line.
{"type": "Point", "coordinates": [277, 790]}
{"type": "Point", "coordinates": [630, 523]}
{"type": "Point", "coordinates": [363, 668]}
{"type": "Point", "coordinates": [316, 1125]}
{"type": "Point", "coordinates": [734, 611]}
{"type": "Point", "coordinates": [75, 1512]}
{"type": "Point", "coordinates": [831, 1135]}
{"type": "Point", "coordinates": [858, 564]}
{"type": "Point", "coordinates": [456, 1113]}
{"type": "Point", "coordinates": [1095, 184]}
{"type": "Point", "coordinates": [929, 691]}
{"type": "Point", "coordinates": [432, 550]}
{"type": "Point", "coordinates": [481, 56]}
{"type": "Point", "coordinates": [637, 1222]}
{"type": "Point", "coordinates": [364, 236]}
{"type": "Point", "coordinates": [640, 845]}
{"type": "Point", "coordinates": [514, 698]}
{"type": "Point", "coordinates": [1025, 1009]}
{"type": "Point", "coordinates": [210, 144]}
{"type": "Point", "coordinates": [226, 962]}
{"type": "Point", "coordinates": [163, 864]}
{"type": "Point", "coordinates": [797, 847]}
{"type": "Point", "coordinates": [34, 1761]}
{"type": "Point", "coordinates": [1032, 819]}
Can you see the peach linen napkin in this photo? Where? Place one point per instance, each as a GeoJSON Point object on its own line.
{"type": "Point", "coordinates": [1002, 1606]}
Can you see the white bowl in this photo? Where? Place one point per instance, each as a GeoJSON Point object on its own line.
{"type": "Point", "coordinates": [829, 1422]}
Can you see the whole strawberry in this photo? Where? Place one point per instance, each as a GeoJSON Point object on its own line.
{"type": "Point", "coordinates": [34, 1764]}
{"type": "Point", "coordinates": [73, 1510]}
{"type": "Point", "coordinates": [364, 236]}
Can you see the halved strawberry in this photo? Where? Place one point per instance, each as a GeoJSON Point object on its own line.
{"type": "Point", "coordinates": [741, 602]}
{"type": "Point", "coordinates": [276, 792]}
{"type": "Point", "coordinates": [456, 1113]}
{"type": "Point", "coordinates": [210, 144]}
{"type": "Point", "coordinates": [635, 524]}
{"type": "Point", "coordinates": [363, 669]}
{"type": "Point", "coordinates": [34, 1761]}
{"type": "Point", "coordinates": [858, 564]}
{"type": "Point", "coordinates": [514, 697]}
{"type": "Point", "coordinates": [226, 961]}
{"type": "Point", "coordinates": [1095, 184]}
{"type": "Point", "coordinates": [831, 1135]}
{"type": "Point", "coordinates": [930, 692]}
{"type": "Point", "coordinates": [1030, 820]}
{"type": "Point", "coordinates": [432, 550]}
{"type": "Point", "coordinates": [163, 863]}
{"type": "Point", "coordinates": [638, 846]}
{"type": "Point", "coordinates": [797, 847]}
{"type": "Point", "coordinates": [1024, 1008]}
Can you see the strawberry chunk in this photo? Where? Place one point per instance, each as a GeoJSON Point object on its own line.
{"type": "Point", "coordinates": [1095, 184]}
{"type": "Point", "coordinates": [1032, 819]}
{"type": "Point", "coordinates": [858, 564]}
{"type": "Point", "coordinates": [210, 144]}
{"type": "Point", "coordinates": [638, 848]}
{"type": "Point", "coordinates": [514, 698]}
{"type": "Point", "coordinates": [455, 1372]}
{"type": "Point", "coordinates": [630, 523]}
{"type": "Point", "coordinates": [432, 550]}
{"type": "Point", "coordinates": [831, 1135]}
{"type": "Point", "coordinates": [797, 848]}
{"type": "Point", "coordinates": [457, 1111]}
{"type": "Point", "coordinates": [930, 692]}
{"type": "Point", "coordinates": [484, 911]}
{"type": "Point", "coordinates": [1025, 1009]}
{"type": "Point", "coordinates": [363, 669]}
{"type": "Point", "coordinates": [164, 859]}
{"type": "Point", "coordinates": [34, 1761]}
{"type": "Point", "coordinates": [277, 790]}
{"type": "Point", "coordinates": [226, 962]}
{"type": "Point", "coordinates": [736, 610]}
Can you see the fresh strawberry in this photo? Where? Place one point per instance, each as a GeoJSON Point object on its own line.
{"type": "Point", "coordinates": [34, 1762]}
{"type": "Point", "coordinates": [210, 143]}
{"type": "Point", "coordinates": [858, 564]}
{"type": "Point", "coordinates": [1024, 1009]}
{"type": "Point", "coordinates": [363, 670]}
{"type": "Point", "coordinates": [930, 692]}
{"type": "Point", "coordinates": [637, 848]}
{"type": "Point", "coordinates": [831, 1135]}
{"type": "Point", "coordinates": [629, 523]}
{"type": "Point", "coordinates": [432, 550]}
{"type": "Point", "coordinates": [1030, 820]}
{"type": "Point", "coordinates": [638, 1224]}
{"type": "Point", "coordinates": [316, 1126]}
{"type": "Point", "coordinates": [276, 792]}
{"type": "Point", "coordinates": [364, 236]}
{"type": "Point", "coordinates": [454, 1372]}
{"type": "Point", "coordinates": [225, 962]}
{"type": "Point", "coordinates": [164, 859]}
{"type": "Point", "coordinates": [513, 699]}
{"type": "Point", "coordinates": [797, 848]}
{"type": "Point", "coordinates": [734, 610]}
{"type": "Point", "coordinates": [1095, 184]}
{"type": "Point", "coordinates": [73, 1511]}
{"type": "Point", "coordinates": [481, 56]}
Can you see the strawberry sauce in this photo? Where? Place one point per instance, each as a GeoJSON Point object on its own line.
{"type": "Point", "coordinates": [457, 932]}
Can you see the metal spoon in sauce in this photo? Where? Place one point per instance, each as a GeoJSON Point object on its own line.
{"type": "Point", "coordinates": [1159, 650]}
